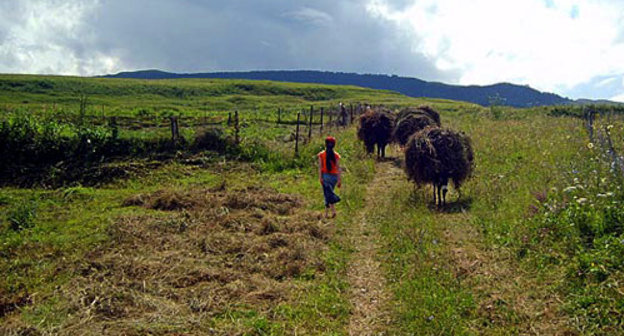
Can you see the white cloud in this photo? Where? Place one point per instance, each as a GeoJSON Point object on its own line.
{"type": "Point", "coordinates": [618, 98]}
{"type": "Point", "coordinates": [311, 16]}
{"type": "Point", "coordinates": [51, 37]}
{"type": "Point", "coordinates": [606, 82]}
{"type": "Point", "coordinates": [551, 45]}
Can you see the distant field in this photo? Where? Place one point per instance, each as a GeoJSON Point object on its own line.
{"type": "Point", "coordinates": [113, 229]}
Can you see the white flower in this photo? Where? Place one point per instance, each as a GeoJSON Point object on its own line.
{"type": "Point", "coordinates": [581, 200]}
{"type": "Point", "coordinates": [569, 189]}
{"type": "Point", "coordinates": [576, 180]}
{"type": "Point", "coordinates": [601, 195]}
{"type": "Point", "coordinates": [609, 194]}
{"type": "Point", "coordinates": [89, 141]}
{"type": "Point", "coordinates": [590, 145]}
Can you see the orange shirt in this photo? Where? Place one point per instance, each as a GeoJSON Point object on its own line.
{"type": "Point", "coordinates": [334, 167]}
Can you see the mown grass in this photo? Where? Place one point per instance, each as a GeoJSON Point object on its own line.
{"type": "Point", "coordinates": [68, 223]}
{"type": "Point", "coordinates": [483, 265]}
{"type": "Point", "coordinates": [518, 254]}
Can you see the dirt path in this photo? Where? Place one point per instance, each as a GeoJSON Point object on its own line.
{"type": "Point", "coordinates": [368, 286]}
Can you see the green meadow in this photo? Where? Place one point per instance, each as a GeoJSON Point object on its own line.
{"type": "Point", "coordinates": [109, 228]}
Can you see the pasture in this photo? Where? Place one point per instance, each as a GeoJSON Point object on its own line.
{"type": "Point", "coordinates": [222, 233]}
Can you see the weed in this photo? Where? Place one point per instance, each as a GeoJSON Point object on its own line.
{"type": "Point", "coordinates": [23, 216]}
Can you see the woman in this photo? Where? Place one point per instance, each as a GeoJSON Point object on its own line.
{"type": "Point", "coordinates": [329, 174]}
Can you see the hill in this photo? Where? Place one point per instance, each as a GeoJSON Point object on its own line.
{"type": "Point", "coordinates": [510, 94]}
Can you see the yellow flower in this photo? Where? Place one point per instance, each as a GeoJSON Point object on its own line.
{"type": "Point", "coordinates": [590, 145]}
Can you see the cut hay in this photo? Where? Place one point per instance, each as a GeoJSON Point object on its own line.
{"type": "Point", "coordinates": [203, 253]}
{"type": "Point", "coordinates": [375, 128]}
{"type": "Point", "coordinates": [435, 154]}
{"type": "Point", "coordinates": [411, 120]}
{"type": "Point", "coordinates": [421, 110]}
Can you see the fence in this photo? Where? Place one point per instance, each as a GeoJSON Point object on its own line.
{"type": "Point", "coordinates": [306, 122]}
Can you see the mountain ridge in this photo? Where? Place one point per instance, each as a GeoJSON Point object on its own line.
{"type": "Point", "coordinates": [501, 93]}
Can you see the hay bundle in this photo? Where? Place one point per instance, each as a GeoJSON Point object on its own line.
{"type": "Point", "coordinates": [435, 155]}
{"type": "Point", "coordinates": [376, 129]}
{"type": "Point", "coordinates": [422, 109]}
{"type": "Point", "coordinates": [411, 120]}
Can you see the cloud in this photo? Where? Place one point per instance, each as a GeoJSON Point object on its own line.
{"type": "Point", "coordinates": [224, 35]}
{"type": "Point", "coordinates": [571, 47]}
{"type": "Point", "coordinates": [551, 45]}
{"type": "Point", "coordinates": [311, 16]}
{"type": "Point", "coordinates": [49, 37]}
{"type": "Point", "coordinates": [89, 37]}
{"type": "Point", "coordinates": [606, 82]}
{"type": "Point", "coordinates": [618, 98]}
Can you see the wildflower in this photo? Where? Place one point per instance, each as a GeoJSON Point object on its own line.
{"type": "Point", "coordinates": [603, 180]}
{"type": "Point", "coordinates": [609, 127]}
{"type": "Point", "coordinates": [88, 141]}
{"type": "Point", "coordinates": [581, 200]}
{"type": "Point", "coordinates": [601, 195]}
{"type": "Point", "coordinates": [609, 194]}
{"type": "Point", "coordinates": [569, 189]}
{"type": "Point", "coordinates": [576, 180]}
{"type": "Point", "coordinates": [590, 145]}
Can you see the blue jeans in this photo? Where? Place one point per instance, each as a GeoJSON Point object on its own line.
{"type": "Point", "coordinates": [329, 183]}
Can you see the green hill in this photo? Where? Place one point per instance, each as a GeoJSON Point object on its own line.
{"type": "Point", "coordinates": [126, 231]}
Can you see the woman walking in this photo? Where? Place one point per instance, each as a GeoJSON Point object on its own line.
{"type": "Point", "coordinates": [329, 174]}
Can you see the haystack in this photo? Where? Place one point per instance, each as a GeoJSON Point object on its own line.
{"type": "Point", "coordinates": [435, 155]}
{"type": "Point", "coordinates": [376, 129]}
{"type": "Point", "coordinates": [422, 109]}
{"type": "Point", "coordinates": [411, 120]}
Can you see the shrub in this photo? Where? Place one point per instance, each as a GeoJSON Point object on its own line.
{"type": "Point", "coordinates": [23, 216]}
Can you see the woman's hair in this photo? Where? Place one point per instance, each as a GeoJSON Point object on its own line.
{"type": "Point", "coordinates": [331, 156]}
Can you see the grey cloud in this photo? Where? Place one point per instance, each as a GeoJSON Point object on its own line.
{"type": "Point", "coordinates": [229, 35]}
{"type": "Point", "coordinates": [311, 16]}
{"type": "Point", "coordinates": [222, 35]}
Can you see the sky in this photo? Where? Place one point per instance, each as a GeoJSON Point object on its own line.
{"type": "Point", "coordinates": [574, 48]}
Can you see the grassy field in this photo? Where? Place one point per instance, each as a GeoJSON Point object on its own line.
{"type": "Point", "coordinates": [232, 241]}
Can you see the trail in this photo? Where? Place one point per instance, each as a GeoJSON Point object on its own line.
{"type": "Point", "coordinates": [369, 296]}
{"type": "Point", "coordinates": [506, 296]}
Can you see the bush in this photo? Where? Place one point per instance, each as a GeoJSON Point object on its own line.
{"type": "Point", "coordinates": [23, 216]}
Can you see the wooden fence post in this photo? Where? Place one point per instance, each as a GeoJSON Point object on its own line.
{"type": "Point", "coordinates": [351, 113]}
{"type": "Point", "coordinates": [236, 128]}
{"type": "Point", "coordinates": [310, 123]}
{"type": "Point", "coordinates": [113, 126]}
{"type": "Point", "coordinates": [321, 132]}
{"type": "Point", "coordinates": [175, 132]}
{"type": "Point", "coordinates": [297, 135]}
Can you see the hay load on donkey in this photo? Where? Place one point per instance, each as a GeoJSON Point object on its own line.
{"type": "Point", "coordinates": [435, 155]}
{"type": "Point", "coordinates": [376, 129]}
{"type": "Point", "coordinates": [411, 120]}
